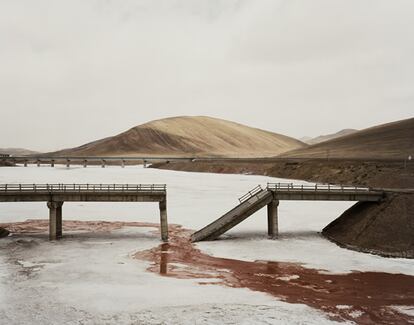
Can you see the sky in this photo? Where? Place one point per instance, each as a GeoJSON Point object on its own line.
{"type": "Point", "coordinates": [76, 71]}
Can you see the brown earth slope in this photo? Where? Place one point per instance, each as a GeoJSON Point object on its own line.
{"type": "Point", "coordinates": [384, 228]}
{"type": "Point", "coordinates": [388, 141]}
{"type": "Point", "coordinates": [187, 136]}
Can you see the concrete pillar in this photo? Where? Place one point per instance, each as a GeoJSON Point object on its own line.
{"type": "Point", "coordinates": [272, 219]}
{"type": "Point", "coordinates": [52, 163]}
{"type": "Point", "coordinates": [85, 163]}
{"type": "Point", "coordinates": [67, 163]}
{"type": "Point", "coordinates": [163, 220]}
{"type": "Point", "coordinates": [55, 219]}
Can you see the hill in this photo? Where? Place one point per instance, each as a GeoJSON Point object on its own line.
{"type": "Point", "coordinates": [327, 137]}
{"type": "Point", "coordinates": [387, 141]}
{"type": "Point", "coordinates": [189, 135]}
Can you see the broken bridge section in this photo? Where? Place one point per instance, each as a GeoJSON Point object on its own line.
{"type": "Point", "coordinates": [258, 198]}
{"type": "Point", "coordinates": [56, 194]}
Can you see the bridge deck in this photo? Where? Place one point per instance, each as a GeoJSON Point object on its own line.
{"type": "Point", "coordinates": [289, 191]}
{"type": "Point", "coordinates": [83, 192]}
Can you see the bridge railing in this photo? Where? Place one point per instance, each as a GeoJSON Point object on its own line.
{"type": "Point", "coordinates": [250, 193]}
{"type": "Point", "coordinates": [290, 187]}
{"type": "Point", "coordinates": [90, 188]}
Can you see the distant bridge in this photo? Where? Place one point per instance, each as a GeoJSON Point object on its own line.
{"type": "Point", "coordinates": [56, 194]}
{"type": "Point", "coordinates": [258, 198]}
{"type": "Point", "coordinates": [145, 160]}
{"type": "Point", "coordinates": [85, 161]}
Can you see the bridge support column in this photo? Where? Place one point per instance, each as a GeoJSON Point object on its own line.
{"type": "Point", "coordinates": [163, 220]}
{"type": "Point", "coordinates": [55, 219]}
{"type": "Point", "coordinates": [272, 219]}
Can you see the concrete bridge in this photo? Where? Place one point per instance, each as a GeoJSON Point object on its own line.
{"type": "Point", "coordinates": [56, 194]}
{"type": "Point", "coordinates": [258, 198]}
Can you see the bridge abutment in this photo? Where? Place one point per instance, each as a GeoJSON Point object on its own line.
{"type": "Point", "coordinates": [55, 219]}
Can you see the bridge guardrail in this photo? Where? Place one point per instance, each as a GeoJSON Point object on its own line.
{"type": "Point", "coordinates": [250, 194]}
{"type": "Point", "coordinates": [89, 188]}
{"type": "Point", "coordinates": [313, 188]}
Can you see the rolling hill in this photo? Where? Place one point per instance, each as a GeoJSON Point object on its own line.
{"type": "Point", "coordinates": [387, 141]}
{"type": "Point", "coordinates": [188, 136]}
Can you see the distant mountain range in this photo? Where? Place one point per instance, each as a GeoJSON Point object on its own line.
{"type": "Point", "coordinates": [387, 141]}
{"type": "Point", "coordinates": [18, 151]}
{"type": "Point", "coordinates": [327, 137]}
{"type": "Point", "coordinates": [189, 136]}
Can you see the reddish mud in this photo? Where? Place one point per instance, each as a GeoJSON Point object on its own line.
{"type": "Point", "coordinates": [32, 226]}
{"type": "Point", "coordinates": [362, 297]}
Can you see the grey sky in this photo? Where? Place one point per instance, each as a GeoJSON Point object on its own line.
{"type": "Point", "coordinates": [77, 70]}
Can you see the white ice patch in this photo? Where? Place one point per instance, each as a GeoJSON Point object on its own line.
{"type": "Point", "coordinates": [408, 310]}
{"type": "Point", "coordinates": [288, 278]}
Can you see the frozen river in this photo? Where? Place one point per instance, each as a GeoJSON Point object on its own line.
{"type": "Point", "coordinates": [92, 279]}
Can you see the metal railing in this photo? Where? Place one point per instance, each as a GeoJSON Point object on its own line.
{"type": "Point", "coordinates": [290, 187]}
{"type": "Point", "coordinates": [250, 194]}
{"type": "Point", "coordinates": [88, 188]}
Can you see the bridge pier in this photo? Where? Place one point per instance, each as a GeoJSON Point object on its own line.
{"type": "Point", "coordinates": [272, 219]}
{"type": "Point", "coordinates": [163, 220]}
{"type": "Point", "coordinates": [55, 219]}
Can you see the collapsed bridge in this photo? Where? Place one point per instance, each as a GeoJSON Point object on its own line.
{"type": "Point", "coordinates": [258, 198]}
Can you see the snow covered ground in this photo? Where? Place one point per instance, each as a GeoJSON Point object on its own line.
{"type": "Point", "coordinates": [92, 279]}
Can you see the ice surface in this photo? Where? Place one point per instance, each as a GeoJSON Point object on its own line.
{"type": "Point", "coordinates": [92, 279]}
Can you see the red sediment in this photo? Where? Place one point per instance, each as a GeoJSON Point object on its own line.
{"type": "Point", "coordinates": [362, 297]}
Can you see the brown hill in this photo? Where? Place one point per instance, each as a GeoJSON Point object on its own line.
{"type": "Point", "coordinates": [388, 141]}
{"type": "Point", "coordinates": [184, 136]}
{"type": "Point", "coordinates": [327, 137]}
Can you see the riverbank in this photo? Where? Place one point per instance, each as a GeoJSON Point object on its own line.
{"type": "Point", "coordinates": [381, 173]}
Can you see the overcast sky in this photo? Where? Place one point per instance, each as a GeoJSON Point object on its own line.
{"type": "Point", "coordinates": [77, 70]}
